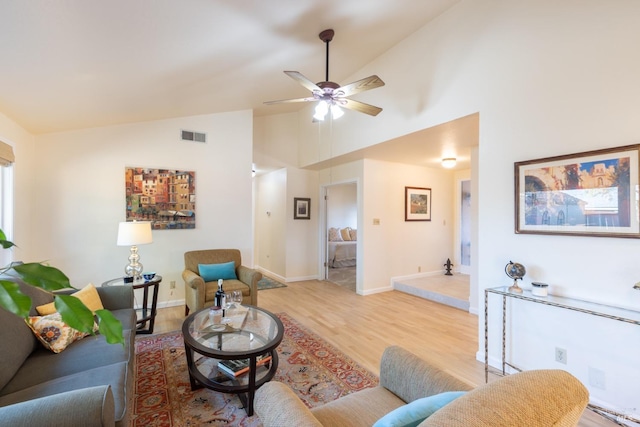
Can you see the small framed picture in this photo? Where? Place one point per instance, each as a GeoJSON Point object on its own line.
{"type": "Point", "coordinates": [417, 204]}
{"type": "Point", "coordinates": [301, 208]}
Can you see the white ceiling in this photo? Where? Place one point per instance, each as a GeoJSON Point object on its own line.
{"type": "Point", "coordinates": [71, 64]}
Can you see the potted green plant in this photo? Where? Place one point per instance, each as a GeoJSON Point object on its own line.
{"type": "Point", "coordinates": [73, 311]}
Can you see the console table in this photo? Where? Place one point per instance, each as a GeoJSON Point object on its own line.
{"type": "Point", "coordinates": [564, 303]}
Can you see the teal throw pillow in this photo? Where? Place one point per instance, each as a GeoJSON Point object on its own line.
{"type": "Point", "coordinates": [213, 272]}
{"type": "Point", "coordinates": [412, 414]}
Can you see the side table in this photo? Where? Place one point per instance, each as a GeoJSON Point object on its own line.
{"type": "Point", "coordinates": [146, 312]}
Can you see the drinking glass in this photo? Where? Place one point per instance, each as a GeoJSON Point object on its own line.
{"type": "Point", "coordinates": [237, 297]}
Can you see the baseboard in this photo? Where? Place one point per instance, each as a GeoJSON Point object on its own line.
{"type": "Point", "coordinates": [416, 276]}
{"type": "Point", "coordinates": [172, 303]}
{"type": "Point", "coordinates": [378, 290]}
{"type": "Point", "coordinates": [271, 274]}
{"type": "Point", "coordinates": [282, 279]}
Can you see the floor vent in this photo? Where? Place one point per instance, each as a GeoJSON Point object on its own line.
{"type": "Point", "coordinates": [188, 135]}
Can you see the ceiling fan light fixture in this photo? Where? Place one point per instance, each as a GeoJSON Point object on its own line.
{"type": "Point", "coordinates": [336, 111]}
{"type": "Point", "coordinates": [321, 110]}
{"type": "Point", "coordinates": [448, 162]}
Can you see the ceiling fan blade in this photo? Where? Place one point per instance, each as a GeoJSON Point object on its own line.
{"type": "Point", "coordinates": [360, 106]}
{"type": "Point", "coordinates": [285, 101]}
{"type": "Point", "coordinates": [295, 75]}
{"type": "Point", "coordinates": [367, 83]}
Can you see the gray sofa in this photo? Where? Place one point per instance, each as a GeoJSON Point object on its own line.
{"type": "Point", "coordinates": [90, 383]}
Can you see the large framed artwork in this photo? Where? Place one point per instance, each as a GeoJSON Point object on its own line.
{"type": "Point", "coordinates": [417, 204]}
{"type": "Point", "coordinates": [593, 193]}
{"type": "Point", "coordinates": [165, 197]}
{"type": "Point", "coordinates": [301, 208]}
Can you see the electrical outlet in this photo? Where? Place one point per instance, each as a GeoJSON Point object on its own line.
{"type": "Point", "coordinates": [172, 284]}
{"type": "Point", "coordinates": [561, 355]}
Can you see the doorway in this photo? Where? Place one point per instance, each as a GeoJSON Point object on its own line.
{"type": "Point", "coordinates": [464, 241]}
{"type": "Point", "coordinates": [341, 230]}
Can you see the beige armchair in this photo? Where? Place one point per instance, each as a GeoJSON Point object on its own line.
{"type": "Point", "coordinates": [200, 294]}
{"type": "Point", "coordinates": [538, 398]}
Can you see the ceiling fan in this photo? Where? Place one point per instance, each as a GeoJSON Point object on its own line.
{"type": "Point", "coordinates": [332, 96]}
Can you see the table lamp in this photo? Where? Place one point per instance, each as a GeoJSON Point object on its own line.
{"type": "Point", "coordinates": [134, 233]}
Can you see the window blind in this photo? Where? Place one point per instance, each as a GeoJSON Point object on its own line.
{"type": "Point", "coordinates": [6, 154]}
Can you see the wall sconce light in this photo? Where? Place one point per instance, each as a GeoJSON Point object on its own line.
{"type": "Point", "coordinates": [448, 162]}
{"type": "Point", "coordinates": [637, 286]}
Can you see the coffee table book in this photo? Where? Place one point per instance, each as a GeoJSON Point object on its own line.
{"type": "Point", "coordinates": [240, 366]}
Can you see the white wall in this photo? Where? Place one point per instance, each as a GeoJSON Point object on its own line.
{"type": "Point", "coordinates": [547, 78]}
{"type": "Point", "coordinates": [78, 187]}
{"type": "Point", "coordinates": [271, 222]}
{"type": "Point", "coordinates": [396, 247]}
{"type": "Point", "coordinates": [286, 249]}
{"type": "Point", "coordinates": [342, 206]}
{"type": "Point", "coordinates": [302, 234]}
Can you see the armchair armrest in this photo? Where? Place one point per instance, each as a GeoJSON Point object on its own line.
{"type": "Point", "coordinates": [93, 405]}
{"type": "Point", "coordinates": [193, 281]}
{"type": "Point", "coordinates": [410, 377]}
{"type": "Point", "coordinates": [277, 406]}
{"type": "Point", "coordinates": [250, 277]}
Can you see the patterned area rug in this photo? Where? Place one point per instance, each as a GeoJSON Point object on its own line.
{"type": "Point", "coordinates": [316, 371]}
{"type": "Point", "coordinates": [269, 283]}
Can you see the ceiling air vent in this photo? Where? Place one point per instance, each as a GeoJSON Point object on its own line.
{"type": "Point", "coordinates": [188, 135]}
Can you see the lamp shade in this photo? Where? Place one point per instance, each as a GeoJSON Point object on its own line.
{"type": "Point", "coordinates": [134, 233]}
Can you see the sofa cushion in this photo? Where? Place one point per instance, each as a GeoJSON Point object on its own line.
{"type": "Point", "coordinates": [89, 353]}
{"type": "Point", "coordinates": [17, 340]}
{"type": "Point", "coordinates": [366, 406]}
{"type": "Point", "coordinates": [88, 295]}
{"type": "Point", "coordinates": [53, 333]}
{"type": "Point", "coordinates": [500, 402]}
{"type": "Point", "coordinates": [214, 272]}
{"type": "Point", "coordinates": [413, 413]}
{"type": "Point", "coordinates": [116, 375]}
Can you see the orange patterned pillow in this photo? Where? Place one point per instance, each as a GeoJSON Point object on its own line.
{"type": "Point", "coordinates": [53, 333]}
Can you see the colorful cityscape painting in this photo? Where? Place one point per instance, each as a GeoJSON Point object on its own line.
{"type": "Point", "coordinates": [165, 197]}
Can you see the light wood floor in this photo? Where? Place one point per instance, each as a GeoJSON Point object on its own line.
{"type": "Point", "coordinates": [363, 326]}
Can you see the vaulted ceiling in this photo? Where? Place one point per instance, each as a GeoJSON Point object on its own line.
{"type": "Point", "coordinates": [74, 64]}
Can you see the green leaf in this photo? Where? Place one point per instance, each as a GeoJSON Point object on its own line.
{"type": "Point", "coordinates": [110, 327]}
{"type": "Point", "coordinates": [42, 276]}
{"type": "Point", "coordinates": [74, 313]}
{"type": "Point", "coordinates": [4, 242]}
{"type": "Point", "coordinates": [11, 299]}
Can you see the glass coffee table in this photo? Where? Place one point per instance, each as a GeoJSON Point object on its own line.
{"type": "Point", "coordinates": [246, 334]}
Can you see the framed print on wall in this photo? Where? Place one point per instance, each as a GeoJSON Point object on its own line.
{"type": "Point", "coordinates": [593, 193]}
{"type": "Point", "coordinates": [417, 204]}
{"type": "Point", "coordinates": [301, 208]}
{"type": "Point", "coordinates": [165, 197]}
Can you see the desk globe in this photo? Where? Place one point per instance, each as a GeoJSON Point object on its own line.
{"type": "Point", "coordinates": [516, 271]}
